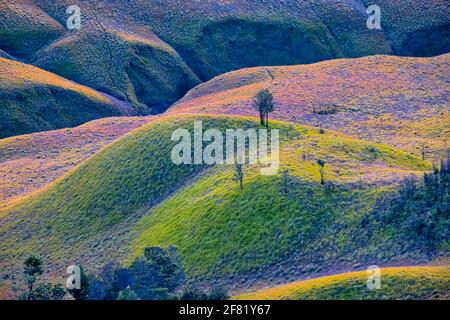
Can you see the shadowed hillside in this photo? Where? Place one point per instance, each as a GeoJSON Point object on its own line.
{"type": "Point", "coordinates": [25, 27]}
{"type": "Point", "coordinates": [36, 100]}
{"type": "Point", "coordinates": [150, 53]}
{"type": "Point", "coordinates": [415, 28]}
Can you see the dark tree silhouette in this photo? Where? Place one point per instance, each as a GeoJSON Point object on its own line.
{"type": "Point", "coordinates": [321, 164]}
{"type": "Point", "coordinates": [32, 270]}
{"type": "Point", "coordinates": [239, 174]}
{"type": "Point", "coordinates": [263, 102]}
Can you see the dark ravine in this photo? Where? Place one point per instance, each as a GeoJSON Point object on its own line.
{"type": "Point", "coordinates": [426, 42]}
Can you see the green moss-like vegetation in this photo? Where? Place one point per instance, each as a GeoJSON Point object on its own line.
{"type": "Point", "coordinates": [236, 43]}
{"type": "Point", "coordinates": [219, 229]}
{"type": "Point", "coordinates": [24, 28]}
{"type": "Point", "coordinates": [35, 100]}
{"type": "Point", "coordinates": [132, 67]}
{"type": "Point", "coordinates": [222, 230]}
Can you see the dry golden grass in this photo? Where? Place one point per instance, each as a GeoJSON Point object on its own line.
{"type": "Point", "coordinates": [402, 102]}
{"type": "Point", "coordinates": [426, 282]}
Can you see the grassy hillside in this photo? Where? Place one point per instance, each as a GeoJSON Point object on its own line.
{"type": "Point", "coordinates": [129, 63]}
{"type": "Point", "coordinates": [415, 28]}
{"type": "Point", "coordinates": [36, 100]}
{"type": "Point", "coordinates": [398, 101]}
{"type": "Point", "coordinates": [130, 195]}
{"type": "Point", "coordinates": [25, 27]}
{"type": "Point", "coordinates": [150, 54]}
{"type": "Point", "coordinates": [29, 162]}
{"type": "Point", "coordinates": [218, 36]}
{"type": "Point", "coordinates": [396, 283]}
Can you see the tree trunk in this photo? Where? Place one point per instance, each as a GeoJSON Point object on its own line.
{"type": "Point", "coordinates": [261, 116]}
{"type": "Point", "coordinates": [30, 290]}
{"type": "Point", "coordinates": [267, 120]}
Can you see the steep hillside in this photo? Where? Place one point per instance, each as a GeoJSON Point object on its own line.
{"type": "Point", "coordinates": [129, 196]}
{"type": "Point", "coordinates": [415, 28]}
{"type": "Point", "coordinates": [36, 100]}
{"type": "Point", "coordinates": [150, 53]}
{"type": "Point", "coordinates": [130, 63]}
{"type": "Point", "coordinates": [402, 102]}
{"type": "Point", "coordinates": [396, 284]}
{"type": "Point", "coordinates": [31, 161]}
{"type": "Point", "coordinates": [25, 27]}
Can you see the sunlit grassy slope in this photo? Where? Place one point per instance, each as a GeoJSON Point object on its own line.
{"type": "Point", "coordinates": [396, 283]}
{"type": "Point", "coordinates": [402, 102]}
{"type": "Point", "coordinates": [36, 100]}
{"type": "Point", "coordinates": [130, 195]}
{"type": "Point", "coordinates": [28, 162]}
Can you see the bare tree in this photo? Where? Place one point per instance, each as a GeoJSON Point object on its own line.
{"type": "Point", "coordinates": [239, 174]}
{"type": "Point", "coordinates": [423, 150]}
{"type": "Point", "coordinates": [447, 150]}
{"type": "Point", "coordinates": [285, 181]}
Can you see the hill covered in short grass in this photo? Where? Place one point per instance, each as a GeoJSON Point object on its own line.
{"type": "Point", "coordinates": [151, 53]}
{"type": "Point", "coordinates": [28, 162]}
{"type": "Point", "coordinates": [130, 195]}
{"type": "Point", "coordinates": [25, 27]}
{"type": "Point", "coordinates": [36, 100]}
{"type": "Point", "coordinates": [402, 102]}
{"type": "Point", "coordinates": [130, 63]}
{"type": "Point", "coordinates": [401, 283]}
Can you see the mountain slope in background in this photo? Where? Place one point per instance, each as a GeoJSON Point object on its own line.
{"type": "Point", "coordinates": [36, 100]}
{"type": "Point", "coordinates": [150, 53]}
{"type": "Point", "coordinates": [403, 102]}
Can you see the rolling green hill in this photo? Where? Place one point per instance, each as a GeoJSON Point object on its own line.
{"type": "Point", "coordinates": [364, 162]}
{"type": "Point", "coordinates": [130, 195]}
{"type": "Point", "coordinates": [29, 162]}
{"type": "Point", "coordinates": [423, 283]}
{"type": "Point", "coordinates": [130, 63]}
{"type": "Point", "coordinates": [36, 100]}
